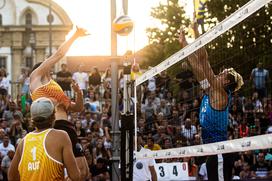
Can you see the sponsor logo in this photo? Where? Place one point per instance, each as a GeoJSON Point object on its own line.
{"type": "Point", "coordinates": [199, 150]}
{"type": "Point", "coordinates": [246, 144]}
{"type": "Point", "coordinates": [220, 147]}
{"type": "Point", "coordinates": [181, 152]}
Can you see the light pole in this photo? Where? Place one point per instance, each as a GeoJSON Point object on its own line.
{"type": "Point", "coordinates": [50, 19]}
{"type": "Point", "coordinates": [32, 42]}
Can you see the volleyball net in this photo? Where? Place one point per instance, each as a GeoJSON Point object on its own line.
{"type": "Point", "coordinates": [168, 96]}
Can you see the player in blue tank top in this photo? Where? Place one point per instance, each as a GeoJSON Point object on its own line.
{"type": "Point", "coordinates": [214, 123]}
{"type": "Point", "coordinates": [214, 108]}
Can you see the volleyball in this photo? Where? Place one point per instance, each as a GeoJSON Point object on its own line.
{"type": "Point", "coordinates": [122, 25]}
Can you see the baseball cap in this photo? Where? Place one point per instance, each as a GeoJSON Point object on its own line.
{"type": "Point", "coordinates": [42, 107]}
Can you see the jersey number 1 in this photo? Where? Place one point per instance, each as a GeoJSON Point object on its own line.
{"type": "Point", "coordinates": [34, 151]}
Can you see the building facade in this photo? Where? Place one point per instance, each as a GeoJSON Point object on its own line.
{"type": "Point", "coordinates": [25, 27]}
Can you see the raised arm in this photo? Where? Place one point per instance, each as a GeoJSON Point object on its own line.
{"type": "Point", "coordinates": [62, 50]}
{"type": "Point", "coordinates": [197, 68]}
{"type": "Point", "coordinates": [76, 106]}
{"type": "Point", "coordinates": [205, 75]}
{"type": "Point", "coordinates": [200, 65]}
{"type": "Point", "coordinates": [203, 56]}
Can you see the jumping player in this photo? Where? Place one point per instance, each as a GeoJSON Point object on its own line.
{"type": "Point", "coordinates": [42, 85]}
{"type": "Point", "coordinates": [214, 108]}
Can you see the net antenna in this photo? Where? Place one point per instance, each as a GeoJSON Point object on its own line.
{"type": "Point", "coordinates": [214, 148]}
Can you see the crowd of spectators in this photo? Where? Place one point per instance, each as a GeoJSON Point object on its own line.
{"type": "Point", "coordinates": [164, 120]}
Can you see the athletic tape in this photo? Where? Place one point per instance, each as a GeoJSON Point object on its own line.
{"type": "Point", "coordinates": [204, 84]}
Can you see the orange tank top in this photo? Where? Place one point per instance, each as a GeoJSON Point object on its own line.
{"type": "Point", "coordinates": [36, 164]}
{"type": "Point", "coordinates": [51, 90]}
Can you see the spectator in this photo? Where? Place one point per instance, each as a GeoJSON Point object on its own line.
{"type": "Point", "coordinates": [8, 115]}
{"type": "Point", "coordinates": [6, 146]}
{"type": "Point", "coordinates": [151, 145]}
{"type": "Point", "coordinates": [151, 84]}
{"type": "Point", "coordinates": [79, 130]}
{"type": "Point", "coordinates": [135, 71]}
{"type": "Point", "coordinates": [260, 77]}
{"type": "Point", "coordinates": [81, 78]}
{"type": "Point", "coordinates": [261, 168]}
{"type": "Point", "coordinates": [4, 82]}
{"type": "Point", "coordinates": [100, 171]}
{"type": "Point", "coordinates": [25, 81]}
{"type": "Point", "coordinates": [64, 79]}
{"type": "Point", "coordinates": [149, 111]}
{"type": "Point", "coordinates": [95, 128]}
{"type": "Point", "coordinates": [243, 129]}
{"type": "Point", "coordinates": [193, 168]}
{"type": "Point", "coordinates": [246, 173]}
{"type": "Point", "coordinates": [87, 120]}
{"type": "Point", "coordinates": [2, 135]}
{"type": "Point", "coordinates": [188, 131]}
{"type": "Point", "coordinates": [3, 102]}
{"type": "Point", "coordinates": [203, 174]}
{"type": "Point", "coordinates": [95, 79]}
{"type": "Point", "coordinates": [165, 109]}
{"type": "Point", "coordinates": [99, 151]}
{"type": "Point", "coordinates": [106, 78]}
{"type": "Point", "coordinates": [16, 130]}
{"type": "Point", "coordinates": [5, 164]}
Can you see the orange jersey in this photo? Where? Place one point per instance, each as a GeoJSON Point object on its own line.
{"type": "Point", "coordinates": [35, 163]}
{"type": "Point", "coordinates": [51, 90]}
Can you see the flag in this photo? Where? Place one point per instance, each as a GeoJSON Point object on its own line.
{"type": "Point", "coordinates": [199, 7]}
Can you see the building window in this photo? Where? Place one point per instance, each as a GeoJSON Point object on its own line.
{"type": "Point", "coordinates": [3, 62]}
{"type": "Point", "coordinates": [28, 19]}
{"type": "Point", "coordinates": [1, 20]}
{"type": "Point", "coordinates": [29, 62]}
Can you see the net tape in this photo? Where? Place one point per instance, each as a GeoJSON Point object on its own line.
{"type": "Point", "coordinates": [235, 18]}
{"type": "Point", "coordinates": [237, 145]}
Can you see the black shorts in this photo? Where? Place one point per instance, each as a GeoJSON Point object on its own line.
{"type": "Point", "coordinates": [212, 166]}
{"type": "Point", "coordinates": [70, 129]}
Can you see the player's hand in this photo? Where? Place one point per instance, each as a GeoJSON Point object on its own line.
{"type": "Point", "coordinates": [181, 38]}
{"type": "Point", "coordinates": [80, 32]}
{"type": "Point", "coordinates": [76, 88]}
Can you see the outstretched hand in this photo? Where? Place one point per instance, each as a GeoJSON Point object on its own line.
{"type": "Point", "coordinates": [76, 87]}
{"type": "Point", "coordinates": [181, 38]}
{"type": "Point", "coordinates": [80, 32]}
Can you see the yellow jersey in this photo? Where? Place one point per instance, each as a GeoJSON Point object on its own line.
{"type": "Point", "coordinates": [36, 164]}
{"type": "Point", "coordinates": [51, 90]}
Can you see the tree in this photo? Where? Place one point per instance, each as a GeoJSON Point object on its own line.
{"type": "Point", "coordinates": [163, 40]}
{"type": "Point", "coordinates": [247, 43]}
{"type": "Point", "coordinates": [244, 45]}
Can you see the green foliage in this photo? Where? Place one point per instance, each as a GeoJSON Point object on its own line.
{"type": "Point", "coordinates": [242, 47]}
{"type": "Point", "coordinates": [163, 42]}
{"type": "Point", "coordinates": [246, 44]}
